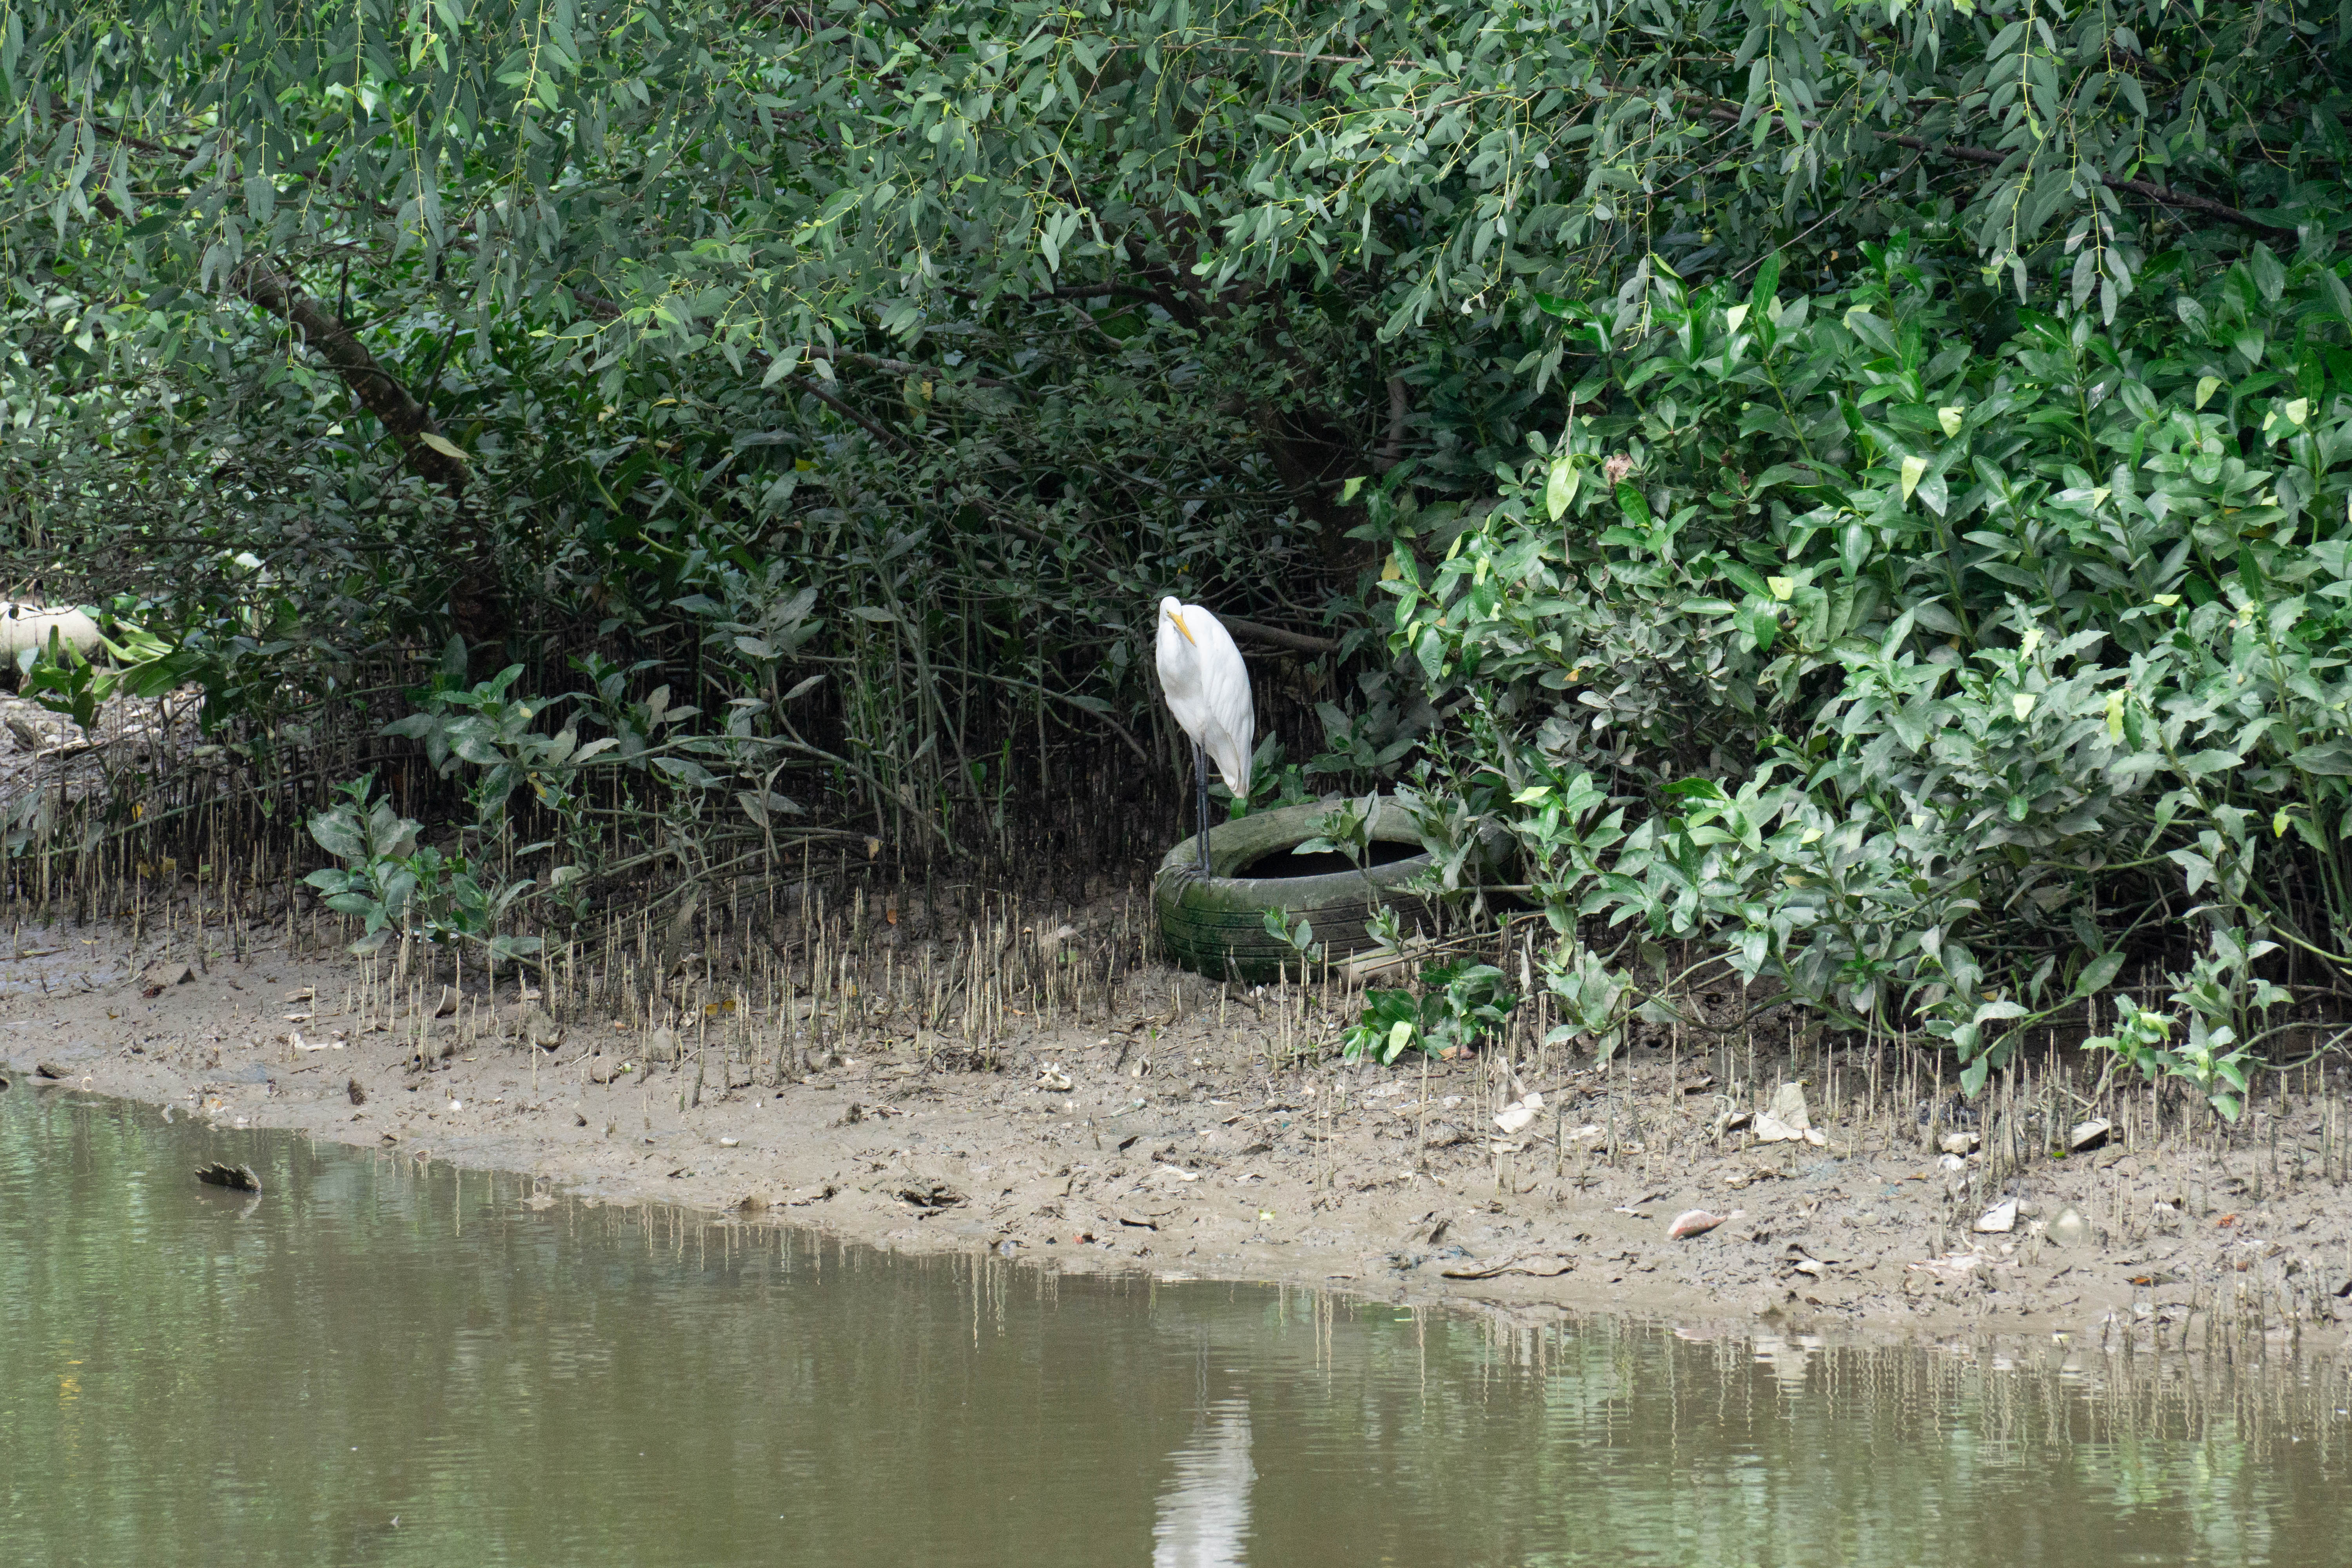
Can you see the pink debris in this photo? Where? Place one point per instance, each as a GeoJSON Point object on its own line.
{"type": "Point", "coordinates": [1694, 1222]}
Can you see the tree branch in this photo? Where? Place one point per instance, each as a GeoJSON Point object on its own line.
{"type": "Point", "coordinates": [1299, 642]}
{"type": "Point", "coordinates": [410, 423]}
{"type": "Point", "coordinates": [897, 366]}
{"type": "Point", "coordinates": [2187, 201]}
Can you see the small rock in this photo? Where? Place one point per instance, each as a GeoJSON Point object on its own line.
{"type": "Point", "coordinates": [1444, 1135]}
{"type": "Point", "coordinates": [1961, 1142]}
{"type": "Point", "coordinates": [607, 1069]}
{"type": "Point", "coordinates": [2088, 1135]}
{"type": "Point", "coordinates": [1693, 1222]}
{"type": "Point", "coordinates": [1998, 1220]}
{"type": "Point", "coordinates": [2069, 1228]}
{"type": "Point", "coordinates": [238, 1177]}
{"type": "Point", "coordinates": [161, 975]}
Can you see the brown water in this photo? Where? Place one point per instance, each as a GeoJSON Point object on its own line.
{"type": "Point", "coordinates": [377, 1362]}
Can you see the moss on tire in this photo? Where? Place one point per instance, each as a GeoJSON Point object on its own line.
{"type": "Point", "coordinates": [1216, 924]}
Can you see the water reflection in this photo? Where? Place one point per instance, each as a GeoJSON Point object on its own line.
{"type": "Point", "coordinates": [1204, 1512]}
{"type": "Point", "coordinates": [188, 1375]}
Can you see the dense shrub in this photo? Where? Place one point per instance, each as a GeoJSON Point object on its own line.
{"type": "Point", "coordinates": [1924, 668]}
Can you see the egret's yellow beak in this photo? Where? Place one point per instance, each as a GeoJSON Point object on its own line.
{"type": "Point", "coordinates": [1180, 626]}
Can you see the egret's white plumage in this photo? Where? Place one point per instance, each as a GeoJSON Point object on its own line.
{"type": "Point", "coordinates": [1208, 687]}
{"type": "Point", "coordinates": [1208, 690]}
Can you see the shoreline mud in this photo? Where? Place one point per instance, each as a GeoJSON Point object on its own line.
{"type": "Point", "coordinates": [1174, 1128]}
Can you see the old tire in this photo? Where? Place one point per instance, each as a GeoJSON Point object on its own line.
{"type": "Point", "coordinates": [1216, 924]}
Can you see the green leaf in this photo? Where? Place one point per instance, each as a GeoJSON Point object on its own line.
{"type": "Point", "coordinates": [685, 771]}
{"type": "Point", "coordinates": [1559, 490]}
{"type": "Point", "coordinates": [1766, 284]}
{"type": "Point", "coordinates": [1914, 470]}
{"type": "Point", "coordinates": [2099, 973]}
{"type": "Point", "coordinates": [2331, 759]}
{"type": "Point", "coordinates": [339, 836]}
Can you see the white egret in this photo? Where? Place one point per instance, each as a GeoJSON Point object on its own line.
{"type": "Point", "coordinates": [1208, 690]}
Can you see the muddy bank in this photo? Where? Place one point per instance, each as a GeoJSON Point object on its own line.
{"type": "Point", "coordinates": [1174, 1127]}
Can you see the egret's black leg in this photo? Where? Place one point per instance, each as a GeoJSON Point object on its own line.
{"type": "Point", "coordinates": [1200, 794]}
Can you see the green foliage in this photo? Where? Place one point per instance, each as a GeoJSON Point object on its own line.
{"type": "Point", "coordinates": [396, 885]}
{"type": "Point", "coordinates": [835, 384]}
{"type": "Point", "coordinates": [1299, 934]}
{"type": "Point", "coordinates": [2213, 1061]}
{"type": "Point", "coordinates": [1458, 1003]}
{"type": "Point", "coordinates": [752, 182]}
{"type": "Point", "coordinates": [139, 664]}
{"type": "Point", "coordinates": [1345, 829]}
{"type": "Point", "coordinates": [1923, 669]}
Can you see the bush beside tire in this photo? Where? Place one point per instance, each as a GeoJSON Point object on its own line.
{"type": "Point", "coordinates": [1216, 924]}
